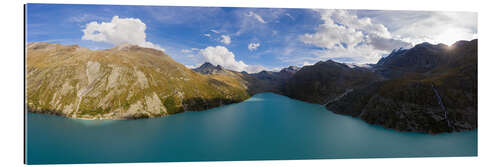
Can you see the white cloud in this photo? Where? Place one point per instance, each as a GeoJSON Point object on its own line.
{"type": "Point", "coordinates": [207, 35]}
{"type": "Point", "coordinates": [119, 31]}
{"type": "Point", "coordinates": [215, 31]}
{"type": "Point", "coordinates": [290, 16]}
{"type": "Point", "coordinates": [474, 36]}
{"type": "Point", "coordinates": [364, 36]}
{"type": "Point", "coordinates": [84, 18]}
{"type": "Point", "coordinates": [361, 55]}
{"type": "Point", "coordinates": [189, 50]}
{"type": "Point", "coordinates": [332, 35]}
{"type": "Point", "coordinates": [255, 68]}
{"type": "Point", "coordinates": [192, 66]}
{"type": "Point", "coordinates": [350, 20]}
{"type": "Point", "coordinates": [253, 46]}
{"type": "Point", "coordinates": [220, 55]}
{"type": "Point", "coordinates": [186, 51]}
{"type": "Point", "coordinates": [348, 38]}
{"type": "Point", "coordinates": [225, 39]}
{"type": "Point", "coordinates": [343, 29]}
{"type": "Point", "coordinates": [434, 27]}
{"type": "Point", "coordinates": [253, 20]}
{"type": "Point", "coordinates": [256, 16]}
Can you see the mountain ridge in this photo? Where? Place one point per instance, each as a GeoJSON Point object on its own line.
{"type": "Point", "coordinates": [430, 88]}
{"type": "Point", "coordinates": [119, 83]}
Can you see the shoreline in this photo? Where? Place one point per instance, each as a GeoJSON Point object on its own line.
{"type": "Point", "coordinates": [333, 112]}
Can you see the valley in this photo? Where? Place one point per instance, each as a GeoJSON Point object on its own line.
{"type": "Point", "coordinates": [427, 88]}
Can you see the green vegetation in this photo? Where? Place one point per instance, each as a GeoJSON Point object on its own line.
{"type": "Point", "coordinates": [172, 106]}
{"type": "Point", "coordinates": [98, 111]}
{"type": "Point", "coordinates": [120, 83]}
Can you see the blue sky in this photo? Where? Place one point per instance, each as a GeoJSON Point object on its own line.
{"type": "Point", "coordinates": [248, 39]}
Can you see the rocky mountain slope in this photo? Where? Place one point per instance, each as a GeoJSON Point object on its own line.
{"type": "Point", "coordinates": [125, 82]}
{"type": "Point", "coordinates": [428, 88]}
{"type": "Point", "coordinates": [325, 81]}
{"type": "Point", "coordinates": [208, 68]}
{"type": "Point", "coordinates": [264, 81]}
{"type": "Point", "coordinates": [269, 81]}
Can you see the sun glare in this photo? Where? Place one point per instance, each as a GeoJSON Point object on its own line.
{"type": "Point", "coordinates": [450, 36]}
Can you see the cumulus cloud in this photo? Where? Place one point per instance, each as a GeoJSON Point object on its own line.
{"type": "Point", "coordinates": [365, 24]}
{"type": "Point", "coordinates": [220, 55]}
{"type": "Point", "coordinates": [332, 35]}
{"type": "Point", "coordinates": [346, 37]}
{"type": "Point", "coordinates": [253, 46]}
{"type": "Point", "coordinates": [343, 29]}
{"type": "Point", "coordinates": [256, 16]}
{"type": "Point", "coordinates": [386, 44]}
{"type": "Point", "coordinates": [225, 39]}
{"type": "Point", "coordinates": [119, 31]}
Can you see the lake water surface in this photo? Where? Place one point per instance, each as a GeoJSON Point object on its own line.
{"type": "Point", "coordinates": [265, 127]}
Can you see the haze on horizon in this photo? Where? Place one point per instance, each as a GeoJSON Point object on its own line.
{"type": "Point", "coordinates": [248, 39]}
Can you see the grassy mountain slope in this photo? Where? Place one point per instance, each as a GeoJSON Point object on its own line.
{"type": "Point", "coordinates": [124, 82]}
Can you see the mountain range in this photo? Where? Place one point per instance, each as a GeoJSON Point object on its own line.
{"type": "Point", "coordinates": [428, 88]}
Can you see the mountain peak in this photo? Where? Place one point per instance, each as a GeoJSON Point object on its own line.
{"type": "Point", "coordinates": [209, 68]}
{"type": "Point", "coordinates": [422, 57]}
{"type": "Point", "coordinates": [290, 69]}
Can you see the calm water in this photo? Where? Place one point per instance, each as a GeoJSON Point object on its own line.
{"type": "Point", "coordinates": [264, 127]}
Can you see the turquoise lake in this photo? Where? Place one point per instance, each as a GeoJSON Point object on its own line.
{"type": "Point", "coordinates": [265, 127]}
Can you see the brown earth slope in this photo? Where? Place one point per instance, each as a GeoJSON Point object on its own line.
{"type": "Point", "coordinates": [125, 82]}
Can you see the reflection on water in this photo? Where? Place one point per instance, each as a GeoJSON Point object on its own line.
{"type": "Point", "coordinates": [266, 126]}
{"type": "Point", "coordinates": [254, 99]}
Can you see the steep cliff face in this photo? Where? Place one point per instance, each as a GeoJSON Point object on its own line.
{"type": "Point", "coordinates": [435, 90]}
{"type": "Point", "coordinates": [125, 82]}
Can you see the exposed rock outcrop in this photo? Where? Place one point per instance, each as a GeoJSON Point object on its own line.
{"type": "Point", "coordinates": [428, 88]}
{"type": "Point", "coordinates": [125, 82]}
{"type": "Point", "coordinates": [327, 80]}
